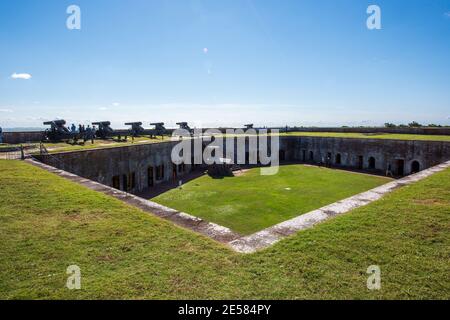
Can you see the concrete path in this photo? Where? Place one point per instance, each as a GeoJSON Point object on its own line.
{"type": "Point", "coordinates": [258, 240]}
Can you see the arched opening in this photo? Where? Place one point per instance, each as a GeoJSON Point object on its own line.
{"type": "Point", "coordinates": [338, 159]}
{"type": "Point", "coordinates": [360, 162]}
{"type": "Point", "coordinates": [174, 172]}
{"type": "Point", "coordinates": [282, 155]}
{"type": "Point", "coordinates": [415, 167]}
{"type": "Point", "coordinates": [150, 176]}
{"type": "Point", "coordinates": [400, 167]}
{"type": "Point", "coordinates": [311, 156]}
{"type": "Point", "coordinates": [124, 182]}
{"type": "Point", "coordinates": [132, 180]}
{"type": "Point", "coordinates": [116, 182]}
{"type": "Point", "coordinates": [372, 163]}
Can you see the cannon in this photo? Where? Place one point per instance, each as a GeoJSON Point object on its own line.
{"type": "Point", "coordinates": [136, 128]}
{"type": "Point", "coordinates": [57, 131]}
{"type": "Point", "coordinates": [221, 167]}
{"type": "Point", "coordinates": [184, 125]}
{"type": "Point", "coordinates": [159, 130]}
{"type": "Point", "coordinates": [104, 130]}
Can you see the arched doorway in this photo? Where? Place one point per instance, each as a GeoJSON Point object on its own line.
{"type": "Point", "coordinates": [415, 166]}
{"type": "Point", "coordinates": [282, 155]}
{"type": "Point", "coordinates": [400, 168]}
{"type": "Point", "coordinates": [150, 176]}
{"type": "Point", "coordinates": [311, 156]}
{"type": "Point", "coordinates": [328, 159]}
{"type": "Point", "coordinates": [174, 172]}
{"type": "Point", "coordinates": [360, 162]}
{"type": "Point", "coordinates": [338, 158]}
{"type": "Point", "coordinates": [372, 163]}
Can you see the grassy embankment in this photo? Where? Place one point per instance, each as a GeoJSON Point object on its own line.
{"type": "Point", "coordinates": [48, 223]}
{"type": "Point", "coordinates": [391, 136]}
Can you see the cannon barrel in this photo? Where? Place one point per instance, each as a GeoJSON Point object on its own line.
{"type": "Point", "coordinates": [56, 122]}
{"type": "Point", "coordinates": [159, 129]}
{"type": "Point", "coordinates": [101, 123]}
{"type": "Point", "coordinates": [183, 125]}
{"type": "Point", "coordinates": [57, 131]}
{"type": "Point", "coordinates": [104, 130]}
{"type": "Point", "coordinates": [136, 128]}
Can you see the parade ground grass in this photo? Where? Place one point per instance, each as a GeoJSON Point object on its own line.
{"type": "Point", "coordinates": [48, 223]}
{"type": "Point", "coordinates": [250, 202]}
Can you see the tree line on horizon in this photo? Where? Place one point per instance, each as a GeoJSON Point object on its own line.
{"type": "Point", "coordinates": [413, 124]}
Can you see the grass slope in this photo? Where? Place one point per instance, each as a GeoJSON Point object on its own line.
{"type": "Point", "coordinates": [394, 136]}
{"type": "Point", "coordinates": [54, 147]}
{"type": "Point", "coordinates": [48, 223]}
{"type": "Point", "coordinates": [253, 202]}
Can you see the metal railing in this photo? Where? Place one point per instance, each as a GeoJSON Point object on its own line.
{"type": "Point", "coordinates": [53, 160]}
{"type": "Point", "coordinates": [11, 155]}
{"type": "Point", "coordinates": [42, 149]}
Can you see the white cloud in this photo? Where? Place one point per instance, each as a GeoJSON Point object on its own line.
{"type": "Point", "coordinates": [447, 14]}
{"type": "Point", "coordinates": [115, 104]}
{"type": "Point", "coordinates": [23, 76]}
{"type": "Point", "coordinates": [103, 108]}
{"type": "Point", "coordinates": [6, 110]}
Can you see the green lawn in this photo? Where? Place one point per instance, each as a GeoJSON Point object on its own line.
{"type": "Point", "coordinates": [48, 223]}
{"type": "Point", "coordinates": [418, 137]}
{"type": "Point", "coordinates": [253, 202]}
{"type": "Point", "coordinates": [54, 147]}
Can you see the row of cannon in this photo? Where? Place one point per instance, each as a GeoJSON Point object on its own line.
{"type": "Point", "coordinates": [102, 130]}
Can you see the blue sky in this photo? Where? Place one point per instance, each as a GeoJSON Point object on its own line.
{"type": "Point", "coordinates": [299, 62]}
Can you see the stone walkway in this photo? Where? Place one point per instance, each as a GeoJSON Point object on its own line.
{"type": "Point", "coordinates": [258, 240]}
